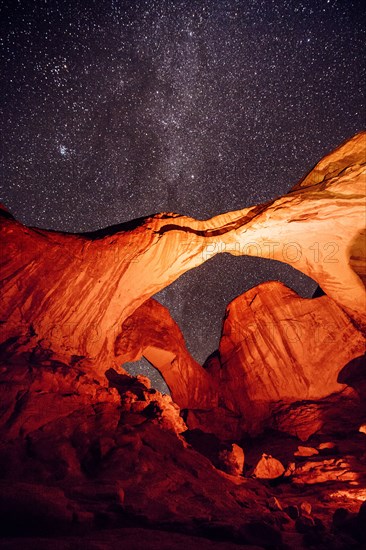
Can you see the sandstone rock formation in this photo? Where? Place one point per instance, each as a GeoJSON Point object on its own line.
{"type": "Point", "coordinates": [340, 412]}
{"type": "Point", "coordinates": [256, 384]}
{"type": "Point", "coordinates": [89, 447]}
{"type": "Point", "coordinates": [306, 451]}
{"type": "Point", "coordinates": [278, 349]}
{"type": "Point", "coordinates": [81, 300]}
{"type": "Point", "coordinates": [151, 332]}
{"type": "Point", "coordinates": [328, 470]}
{"type": "Point", "coordinates": [72, 461]}
{"type": "Point", "coordinates": [75, 291]}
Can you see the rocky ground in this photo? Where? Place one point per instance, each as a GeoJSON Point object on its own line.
{"type": "Point", "coordinates": [117, 468]}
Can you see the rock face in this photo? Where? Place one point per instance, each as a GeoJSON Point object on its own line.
{"type": "Point", "coordinates": [73, 460]}
{"type": "Point", "coordinates": [328, 470]}
{"type": "Point", "coordinates": [340, 412]}
{"type": "Point", "coordinates": [107, 446]}
{"type": "Point", "coordinates": [306, 451]}
{"type": "Point", "coordinates": [75, 291]}
{"type": "Point", "coordinates": [82, 300]}
{"type": "Point", "coordinates": [278, 349]}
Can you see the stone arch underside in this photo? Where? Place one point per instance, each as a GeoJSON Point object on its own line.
{"type": "Point", "coordinates": [85, 299]}
{"type": "Point", "coordinates": [76, 291]}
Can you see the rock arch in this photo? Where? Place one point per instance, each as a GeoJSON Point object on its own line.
{"type": "Point", "coordinates": [76, 291]}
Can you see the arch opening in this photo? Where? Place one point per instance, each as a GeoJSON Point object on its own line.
{"type": "Point", "coordinates": [145, 368]}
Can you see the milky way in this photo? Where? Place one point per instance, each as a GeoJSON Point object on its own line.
{"type": "Point", "coordinates": [114, 110]}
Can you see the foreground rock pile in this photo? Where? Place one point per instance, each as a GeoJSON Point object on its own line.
{"type": "Point", "coordinates": [117, 460]}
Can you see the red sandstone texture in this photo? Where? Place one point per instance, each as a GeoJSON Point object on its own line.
{"type": "Point", "coordinates": [77, 290]}
{"type": "Point", "coordinates": [277, 351]}
{"type": "Point", "coordinates": [85, 447]}
{"type": "Point", "coordinates": [152, 333]}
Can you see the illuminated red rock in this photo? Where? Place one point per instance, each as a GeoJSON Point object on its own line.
{"type": "Point", "coordinates": [340, 412]}
{"type": "Point", "coordinates": [278, 348]}
{"type": "Point", "coordinates": [152, 333]}
{"type": "Point", "coordinates": [82, 300]}
{"type": "Point", "coordinates": [75, 291]}
{"type": "Point", "coordinates": [89, 456]}
{"type": "Point", "coordinates": [341, 469]}
{"type": "Point", "coordinates": [137, 397]}
{"type": "Point", "coordinates": [327, 446]}
{"type": "Point", "coordinates": [108, 446]}
{"type": "Point", "coordinates": [306, 451]}
{"type": "Point", "coordinates": [274, 504]}
{"type": "Point", "coordinates": [232, 460]}
{"type": "Point", "coordinates": [306, 508]}
{"type": "Point", "coordinates": [268, 468]}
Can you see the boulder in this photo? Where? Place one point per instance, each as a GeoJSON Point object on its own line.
{"type": "Point", "coordinates": [232, 460]}
{"type": "Point", "coordinates": [268, 468]}
{"type": "Point", "coordinates": [292, 511]}
{"type": "Point", "coordinates": [306, 451]}
{"type": "Point", "coordinates": [327, 447]}
{"type": "Point", "coordinates": [305, 508]}
{"type": "Point", "coordinates": [304, 524]}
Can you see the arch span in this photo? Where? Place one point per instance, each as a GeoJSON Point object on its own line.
{"type": "Point", "coordinates": [76, 291]}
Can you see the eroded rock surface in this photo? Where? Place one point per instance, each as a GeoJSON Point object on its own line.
{"type": "Point", "coordinates": [75, 291]}
{"type": "Point", "coordinates": [88, 447]}
{"type": "Point", "coordinates": [76, 457]}
{"type": "Point", "coordinates": [151, 332]}
{"type": "Point", "coordinates": [280, 359]}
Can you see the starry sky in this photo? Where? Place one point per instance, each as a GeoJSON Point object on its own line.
{"type": "Point", "coordinates": [112, 110]}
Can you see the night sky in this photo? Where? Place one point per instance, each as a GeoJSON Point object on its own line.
{"type": "Point", "coordinates": [115, 110]}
